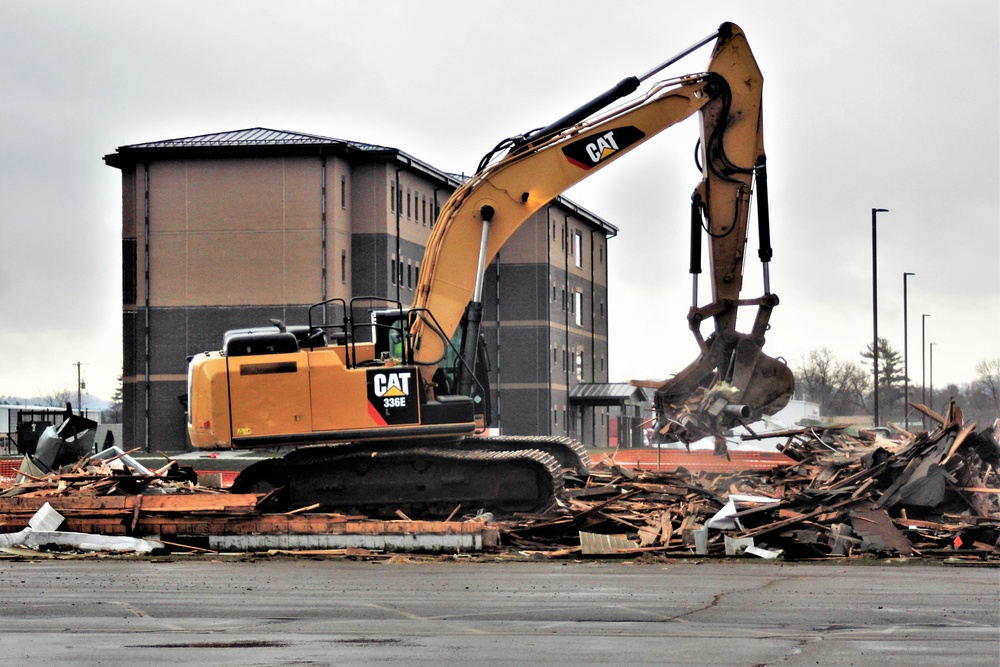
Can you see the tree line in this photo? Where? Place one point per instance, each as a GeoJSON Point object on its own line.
{"type": "Point", "coordinates": [60, 397]}
{"type": "Point", "coordinates": [844, 388]}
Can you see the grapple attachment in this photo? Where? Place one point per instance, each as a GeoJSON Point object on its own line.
{"type": "Point", "coordinates": [732, 382]}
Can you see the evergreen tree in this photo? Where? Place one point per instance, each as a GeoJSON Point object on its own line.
{"type": "Point", "coordinates": [113, 414]}
{"type": "Point", "coordinates": [890, 377]}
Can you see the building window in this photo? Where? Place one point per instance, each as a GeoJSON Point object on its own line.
{"type": "Point", "coordinates": [416, 274]}
{"type": "Point", "coordinates": [130, 277]}
{"type": "Point", "coordinates": [579, 365]}
{"type": "Point", "coordinates": [343, 266]}
{"type": "Point", "coordinates": [392, 271]}
{"type": "Point", "coordinates": [555, 416]}
{"type": "Point", "coordinates": [343, 192]}
{"type": "Point", "coordinates": [578, 308]}
{"type": "Point", "coordinates": [407, 203]}
{"type": "Point", "coordinates": [392, 197]}
{"type": "Point", "coordinates": [409, 275]}
{"type": "Point", "coordinates": [578, 248]}
{"type": "Point", "coordinates": [423, 209]}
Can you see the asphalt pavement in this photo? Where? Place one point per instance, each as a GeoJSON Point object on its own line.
{"type": "Point", "coordinates": [285, 611]}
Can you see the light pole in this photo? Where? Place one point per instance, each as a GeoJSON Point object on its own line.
{"type": "Point", "coordinates": [875, 212]}
{"type": "Point", "coordinates": [906, 360]}
{"type": "Point", "coordinates": [923, 366]}
{"type": "Point", "coordinates": [931, 404]}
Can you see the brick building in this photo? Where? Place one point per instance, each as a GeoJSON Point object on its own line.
{"type": "Point", "coordinates": [231, 229]}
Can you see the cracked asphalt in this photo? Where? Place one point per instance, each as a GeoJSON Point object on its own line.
{"type": "Point", "coordinates": [334, 612]}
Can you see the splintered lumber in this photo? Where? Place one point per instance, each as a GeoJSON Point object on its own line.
{"type": "Point", "coordinates": [139, 515]}
{"type": "Point", "coordinates": [836, 494]}
{"type": "Point", "coordinates": [841, 495]}
{"type": "Point", "coordinates": [234, 521]}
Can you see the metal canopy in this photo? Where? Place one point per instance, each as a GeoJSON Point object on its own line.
{"type": "Point", "coordinates": [614, 393]}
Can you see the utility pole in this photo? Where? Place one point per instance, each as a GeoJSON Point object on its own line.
{"type": "Point", "coordinates": [80, 386]}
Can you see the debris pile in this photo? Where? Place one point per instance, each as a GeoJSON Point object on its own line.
{"type": "Point", "coordinates": [109, 505]}
{"type": "Point", "coordinates": [115, 473]}
{"type": "Point", "coordinates": [930, 494]}
{"type": "Point", "coordinates": [923, 495]}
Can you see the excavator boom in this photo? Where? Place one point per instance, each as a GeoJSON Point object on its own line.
{"type": "Point", "coordinates": [483, 214]}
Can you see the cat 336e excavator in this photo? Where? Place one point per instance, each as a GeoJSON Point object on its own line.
{"type": "Point", "coordinates": [385, 406]}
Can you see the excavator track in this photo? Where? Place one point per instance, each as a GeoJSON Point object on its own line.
{"type": "Point", "coordinates": [425, 482]}
{"type": "Point", "coordinates": [570, 454]}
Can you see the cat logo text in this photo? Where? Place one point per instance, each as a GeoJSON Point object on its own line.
{"type": "Point", "coordinates": [591, 151]}
{"type": "Point", "coordinates": [392, 388]}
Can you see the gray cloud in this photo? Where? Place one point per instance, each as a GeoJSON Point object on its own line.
{"type": "Point", "coordinates": [890, 104]}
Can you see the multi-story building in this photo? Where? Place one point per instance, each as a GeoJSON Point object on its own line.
{"type": "Point", "coordinates": [228, 230]}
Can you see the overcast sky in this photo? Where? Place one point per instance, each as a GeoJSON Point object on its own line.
{"type": "Point", "coordinates": [866, 104]}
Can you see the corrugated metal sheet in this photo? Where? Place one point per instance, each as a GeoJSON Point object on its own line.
{"type": "Point", "coordinates": [438, 543]}
{"type": "Point", "coordinates": [593, 544]}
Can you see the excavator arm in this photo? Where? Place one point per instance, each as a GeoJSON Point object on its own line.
{"type": "Point", "coordinates": [486, 211]}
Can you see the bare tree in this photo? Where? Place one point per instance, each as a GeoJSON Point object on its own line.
{"type": "Point", "coordinates": [59, 398]}
{"type": "Point", "coordinates": [838, 386]}
{"type": "Point", "coordinates": [988, 380]}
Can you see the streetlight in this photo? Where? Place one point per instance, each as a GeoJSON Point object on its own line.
{"type": "Point", "coordinates": [931, 405]}
{"type": "Point", "coordinates": [906, 361]}
{"type": "Point", "coordinates": [923, 367]}
{"type": "Point", "coordinates": [875, 211]}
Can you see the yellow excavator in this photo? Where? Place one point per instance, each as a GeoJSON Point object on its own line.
{"type": "Point", "coordinates": [386, 406]}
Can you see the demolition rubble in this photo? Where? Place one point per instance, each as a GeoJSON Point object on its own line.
{"type": "Point", "coordinates": [928, 495]}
